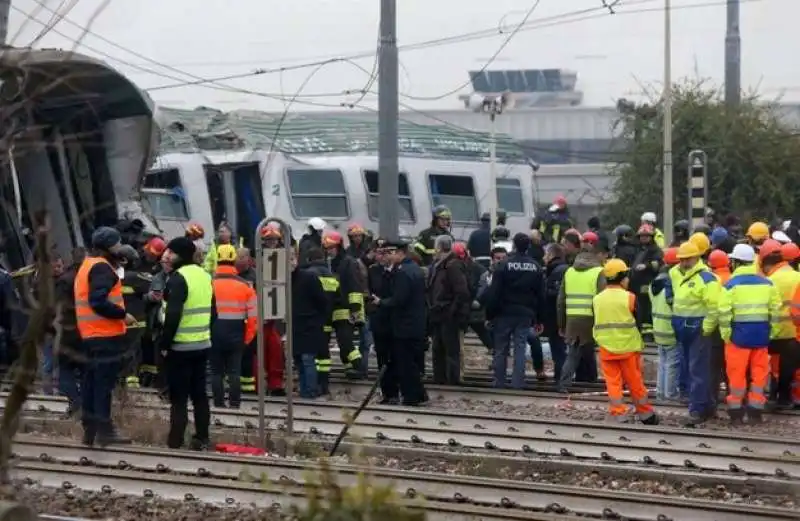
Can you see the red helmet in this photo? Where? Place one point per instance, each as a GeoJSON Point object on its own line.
{"type": "Point", "coordinates": [560, 201]}
{"type": "Point", "coordinates": [769, 247]}
{"type": "Point", "coordinates": [671, 256]}
{"type": "Point", "coordinates": [331, 239]}
{"type": "Point", "coordinates": [590, 238]}
{"type": "Point", "coordinates": [194, 231]}
{"type": "Point", "coordinates": [271, 232]}
{"type": "Point", "coordinates": [155, 246]}
{"type": "Point", "coordinates": [718, 259]}
{"type": "Point", "coordinates": [790, 252]}
{"type": "Point", "coordinates": [356, 229]}
{"type": "Point", "coordinates": [460, 250]}
{"type": "Point", "coordinates": [646, 229]}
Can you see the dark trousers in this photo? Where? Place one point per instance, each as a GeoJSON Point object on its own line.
{"type": "Point", "coordinates": [103, 365]}
{"type": "Point", "coordinates": [186, 376]}
{"type": "Point", "coordinates": [383, 351]}
{"type": "Point", "coordinates": [70, 374]}
{"type": "Point", "coordinates": [446, 353]}
{"type": "Point", "coordinates": [558, 351]}
{"type": "Point", "coordinates": [718, 373]}
{"type": "Point", "coordinates": [226, 362]}
{"type": "Point", "coordinates": [787, 350]}
{"type": "Point", "coordinates": [345, 336]}
{"type": "Point", "coordinates": [483, 333]}
{"type": "Point", "coordinates": [148, 366]}
{"type": "Point", "coordinates": [577, 354]}
{"type": "Point", "coordinates": [247, 366]}
{"type": "Point", "coordinates": [403, 376]}
{"type": "Point", "coordinates": [587, 366]}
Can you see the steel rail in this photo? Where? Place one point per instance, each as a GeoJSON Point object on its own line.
{"type": "Point", "coordinates": [748, 455]}
{"type": "Point", "coordinates": [54, 462]}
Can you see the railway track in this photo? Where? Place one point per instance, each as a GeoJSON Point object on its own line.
{"type": "Point", "coordinates": [269, 482]}
{"type": "Point", "coordinates": [568, 439]}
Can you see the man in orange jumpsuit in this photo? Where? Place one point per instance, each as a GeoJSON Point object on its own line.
{"type": "Point", "coordinates": [616, 332]}
{"type": "Point", "coordinates": [749, 317]}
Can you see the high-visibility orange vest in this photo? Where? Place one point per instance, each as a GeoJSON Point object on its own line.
{"type": "Point", "coordinates": [90, 324]}
{"type": "Point", "coordinates": [236, 300]}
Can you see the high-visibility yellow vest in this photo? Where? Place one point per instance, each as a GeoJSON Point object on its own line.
{"type": "Point", "coordinates": [194, 330]}
{"type": "Point", "coordinates": [580, 287]}
{"type": "Point", "coordinates": [663, 334]}
{"type": "Point", "coordinates": [614, 324]}
{"type": "Point", "coordinates": [786, 280]}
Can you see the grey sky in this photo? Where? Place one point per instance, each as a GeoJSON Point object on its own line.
{"type": "Point", "coordinates": [614, 54]}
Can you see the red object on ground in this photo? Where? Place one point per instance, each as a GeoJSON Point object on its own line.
{"type": "Point", "coordinates": [273, 357]}
{"type": "Point", "coordinates": [230, 448]}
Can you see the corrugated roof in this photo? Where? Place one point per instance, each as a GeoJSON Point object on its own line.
{"type": "Point", "coordinates": [209, 129]}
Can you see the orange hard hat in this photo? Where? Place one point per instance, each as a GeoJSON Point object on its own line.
{"type": "Point", "coordinates": [195, 231]}
{"type": "Point", "coordinates": [331, 239]}
{"type": "Point", "coordinates": [718, 259]}
{"type": "Point", "coordinates": [790, 252]}
{"type": "Point", "coordinates": [769, 247]}
{"type": "Point", "coordinates": [590, 238]}
{"type": "Point", "coordinates": [155, 246]}
{"type": "Point", "coordinates": [671, 256]}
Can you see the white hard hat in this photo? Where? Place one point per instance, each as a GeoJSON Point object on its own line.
{"type": "Point", "coordinates": [317, 224]}
{"type": "Point", "coordinates": [554, 208]}
{"type": "Point", "coordinates": [781, 237]}
{"type": "Point", "coordinates": [744, 253]}
{"type": "Point", "coordinates": [649, 217]}
{"type": "Point", "coordinates": [786, 224]}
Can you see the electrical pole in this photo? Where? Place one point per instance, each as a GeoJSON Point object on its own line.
{"type": "Point", "coordinates": [733, 56]}
{"type": "Point", "coordinates": [668, 219]}
{"type": "Point", "coordinates": [5, 10]}
{"type": "Point", "coordinates": [388, 175]}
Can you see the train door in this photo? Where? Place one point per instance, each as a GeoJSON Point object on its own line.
{"type": "Point", "coordinates": [236, 197]}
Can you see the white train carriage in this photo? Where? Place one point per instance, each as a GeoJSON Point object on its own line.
{"type": "Point", "coordinates": [327, 167]}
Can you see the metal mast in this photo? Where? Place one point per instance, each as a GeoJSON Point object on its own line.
{"type": "Point", "coordinates": [388, 175]}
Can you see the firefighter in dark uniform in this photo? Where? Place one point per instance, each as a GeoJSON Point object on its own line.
{"type": "Point", "coordinates": [348, 312]}
{"type": "Point", "coordinates": [150, 267]}
{"type": "Point", "coordinates": [135, 287]}
{"type": "Point", "coordinates": [316, 264]}
{"type": "Point", "coordinates": [406, 306]}
{"type": "Point", "coordinates": [440, 225]}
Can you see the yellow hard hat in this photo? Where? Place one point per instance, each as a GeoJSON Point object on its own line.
{"type": "Point", "coordinates": [758, 231]}
{"type": "Point", "coordinates": [687, 250]}
{"type": "Point", "coordinates": [226, 253]}
{"type": "Point", "coordinates": [614, 267]}
{"type": "Point", "coordinates": [701, 242]}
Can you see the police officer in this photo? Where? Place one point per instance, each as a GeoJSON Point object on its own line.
{"type": "Point", "coordinates": [189, 310]}
{"type": "Point", "coordinates": [379, 276]}
{"type": "Point", "coordinates": [102, 323]}
{"type": "Point", "coordinates": [513, 303]}
{"type": "Point", "coordinates": [406, 306]}
{"type": "Point", "coordinates": [440, 225]}
{"type": "Point", "coordinates": [234, 329]}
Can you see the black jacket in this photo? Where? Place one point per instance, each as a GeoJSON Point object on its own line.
{"type": "Point", "coordinates": [310, 312]}
{"type": "Point", "coordinates": [652, 258]}
{"type": "Point", "coordinates": [406, 302]}
{"type": "Point", "coordinates": [554, 272]}
{"type": "Point", "coordinates": [346, 270]}
{"type": "Point", "coordinates": [379, 280]}
{"type": "Point", "coordinates": [517, 288]}
{"type": "Point", "coordinates": [102, 279]}
{"type": "Point", "coordinates": [135, 286]}
{"type": "Point", "coordinates": [308, 241]}
{"type": "Point", "coordinates": [625, 251]}
{"type": "Point", "coordinates": [479, 243]}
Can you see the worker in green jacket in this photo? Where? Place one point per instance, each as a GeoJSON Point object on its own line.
{"type": "Point", "coordinates": [224, 236]}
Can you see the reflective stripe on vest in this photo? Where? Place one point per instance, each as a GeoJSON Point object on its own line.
{"type": "Point", "coordinates": [663, 333]}
{"type": "Point", "coordinates": [580, 287]}
{"type": "Point", "coordinates": [233, 298]}
{"type": "Point", "coordinates": [90, 324]}
{"type": "Point", "coordinates": [614, 324]}
{"type": "Point", "coordinates": [194, 330]}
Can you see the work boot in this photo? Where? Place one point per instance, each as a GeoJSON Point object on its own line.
{"type": "Point", "coordinates": [390, 401]}
{"type": "Point", "coordinates": [754, 416]}
{"type": "Point", "coordinates": [736, 416]}
{"type": "Point", "coordinates": [199, 444]}
{"type": "Point", "coordinates": [277, 392]}
{"type": "Point", "coordinates": [695, 419]}
{"type": "Point", "coordinates": [89, 434]}
{"type": "Point", "coordinates": [352, 373]}
{"type": "Point", "coordinates": [110, 436]}
{"type": "Point", "coordinates": [653, 419]}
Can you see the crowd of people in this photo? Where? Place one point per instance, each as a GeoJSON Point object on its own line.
{"type": "Point", "coordinates": [721, 306]}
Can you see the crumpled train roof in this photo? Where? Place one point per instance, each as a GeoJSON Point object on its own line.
{"type": "Point", "coordinates": [207, 129]}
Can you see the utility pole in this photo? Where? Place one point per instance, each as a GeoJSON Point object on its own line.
{"type": "Point", "coordinates": [388, 174]}
{"type": "Point", "coordinates": [668, 219]}
{"type": "Point", "coordinates": [5, 10]}
{"type": "Point", "coordinates": [733, 56]}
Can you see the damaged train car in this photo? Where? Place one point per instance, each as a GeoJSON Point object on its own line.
{"type": "Point", "coordinates": [76, 138]}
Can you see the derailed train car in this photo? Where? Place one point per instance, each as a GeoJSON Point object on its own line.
{"type": "Point", "coordinates": [76, 138]}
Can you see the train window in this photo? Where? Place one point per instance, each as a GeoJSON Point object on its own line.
{"type": "Point", "coordinates": [166, 206]}
{"type": "Point", "coordinates": [317, 192]}
{"type": "Point", "coordinates": [509, 195]}
{"type": "Point", "coordinates": [165, 179]}
{"type": "Point", "coordinates": [405, 200]}
{"type": "Point", "coordinates": [457, 192]}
